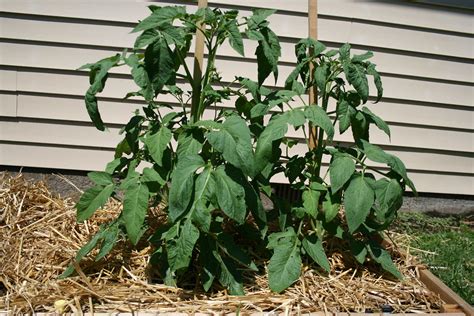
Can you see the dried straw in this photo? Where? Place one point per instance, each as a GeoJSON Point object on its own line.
{"type": "Point", "coordinates": [39, 237]}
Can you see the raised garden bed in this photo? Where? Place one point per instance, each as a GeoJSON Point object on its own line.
{"type": "Point", "coordinates": [39, 236]}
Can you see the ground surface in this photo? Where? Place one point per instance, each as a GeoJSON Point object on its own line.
{"type": "Point", "coordinates": [446, 245]}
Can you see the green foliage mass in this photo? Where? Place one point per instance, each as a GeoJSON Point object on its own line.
{"type": "Point", "coordinates": [211, 174]}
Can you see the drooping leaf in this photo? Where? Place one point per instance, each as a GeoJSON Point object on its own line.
{"type": "Point", "coordinates": [235, 38]}
{"type": "Point", "coordinates": [230, 276]}
{"type": "Point", "coordinates": [275, 130]}
{"type": "Point", "coordinates": [355, 75]}
{"type": "Point", "coordinates": [157, 143]}
{"type": "Point", "coordinates": [382, 257]}
{"type": "Point", "coordinates": [318, 117]}
{"type": "Point", "coordinates": [187, 145]}
{"type": "Point", "coordinates": [93, 199]}
{"type": "Point", "coordinates": [377, 80]}
{"type": "Point", "coordinates": [97, 77]}
{"type": "Point", "coordinates": [341, 170]}
{"type": "Point", "coordinates": [159, 64]}
{"type": "Point", "coordinates": [284, 268]}
{"type": "Point", "coordinates": [135, 207]}
{"type": "Point", "coordinates": [377, 120]}
{"type": "Point", "coordinates": [100, 178]}
{"type": "Point", "coordinates": [314, 248]}
{"type": "Point", "coordinates": [358, 199]}
{"type": "Point", "coordinates": [230, 195]}
{"type": "Point", "coordinates": [181, 248]}
{"type": "Point", "coordinates": [235, 144]}
{"type": "Point", "coordinates": [182, 184]}
{"type": "Point", "coordinates": [345, 113]}
{"type": "Point", "coordinates": [389, 195]}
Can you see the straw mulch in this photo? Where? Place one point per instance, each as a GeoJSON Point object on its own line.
{"type": "Point", "coordinates": [39, 236]}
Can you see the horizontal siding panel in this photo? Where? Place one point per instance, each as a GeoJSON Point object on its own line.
{"type": "Point", "coordinates": [8, 80]}
{"type": "Point", "coordinates": [118, 112]}
{"type": "Point", "coordinates": [42, 156]}
{"type": "Point", "coordinates": [32, 54]}
{"type": "Point", "coordinates": [396, 88]}
{"type": "Point", "coordinates": [8, 103]}
{"type": "Point", "coordinates": [284, 25]}
{"type": "Point", "coordinates": [402, 13]}
{"type": "Point", "coordinates": [80, 159]}
{"type": "Point", "coordinates": [61, 133]}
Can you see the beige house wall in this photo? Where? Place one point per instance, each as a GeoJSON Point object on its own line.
{"type": "Point", "coordinates": [424, 52]}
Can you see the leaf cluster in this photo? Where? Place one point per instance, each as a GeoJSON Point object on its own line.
{"type": "Point", "coordinates": [211, 174]}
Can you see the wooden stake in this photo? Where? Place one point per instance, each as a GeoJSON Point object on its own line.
{"type": "Point", "coordinates": [198, 62]}
{"type": "Point", "coordinates": [313, 91]}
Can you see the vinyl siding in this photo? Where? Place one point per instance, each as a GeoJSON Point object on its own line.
{"type": "Point", "coordinates": [425, 54]}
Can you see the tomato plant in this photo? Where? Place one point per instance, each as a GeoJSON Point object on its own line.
{"type": "Point", "coordinates": [211, 173]}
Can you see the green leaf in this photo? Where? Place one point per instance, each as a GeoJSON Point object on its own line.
{"type": "Point", "coordinates": [201, 215]}
{"type": "Point", "coordinates": [84, 251]}
{"type": "Point", "coordinates": [230, 196]}
{"type": "Point", "coordinates": [97, 77]}
{"type": "Point", "coordinates": [100, 178]}
{"type": "Point", "coordinates": [159, 64]}
{"type": "Point", "coordinates": [115, 164]}
{"type": "Point", "coordinates": [320, 75]}
{"type": "Point", "coordinates": [345, 113]}
{"type": "Point", "coordinates": [358, 200]}
{"type": "Point", "coordinates": [268, 52]}
{"type": "Point", "coordinates": [341, 170]}
{"type": "Point", "coordinates": [230, 276]}
{"type": "Point", "coordinates": [331, 206]}
{"type": "Point", "coordinates": [235, 252]}
{"type": "Point", "coordinates": [275, 130]}
{"type": "Point", "coordinates": [389, 195]}
{"type": "Point", "coordinates": [234, 141]}
{"type": "Point", "coordinates": [356, 76]}
{"type": "Point", "coordinates": [151, 177]}
{"type": "Point", "coordinates": [157, 143]}
{"type": "Point", "coordinates": [375, 153]}
{"type": "Point", "coordinates": [135, 207]}
{"type": "Point", "coordinates": [284, 268]}
{"type": "Point", "coordinates": [377, 81]}
{"type": "Point", "coordinates": [187, 145]}
{"type": "Point", "coordinates": [93, 199]}
{"type": "Point", "coordinates": [235, 38]}
{"type": "Point", "coordinates": [111, 235]}
{"type": "Point", "coordinates": [314, 248]}
{"type": "Point", "coordinates": [318, 117]}
{"type": "Point", "coordinates": [182, 184]}
{"type": "Point", "coordinates": [295, 117]}
{"type": "Point", "coordinates": [358, 250]}
{"type": "Point", "coordinates": [360, 58]}
{"type": "Point", "coordinates": [159, 17]}
{"type": "Point", "coordinates": [311, 201]}
{"type": "Point", "coordinates": [344, 51]}
{"type": "Point", "coordinates": [210, 264]}
{"type": "Point", "coordinates": [146, 38]}
{"type": "Point", "coordinates": [382, 257]}
{"type": "Point", "coordinates": [377, 120]}
{"type": "Point", "coordinates": [181, 249]}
